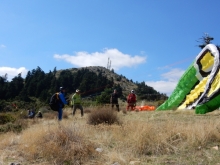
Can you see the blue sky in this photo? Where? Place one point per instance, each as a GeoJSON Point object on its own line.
{"type": "Point", "coordinates": [146, 40]}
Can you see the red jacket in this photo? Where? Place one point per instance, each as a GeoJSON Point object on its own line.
{"type": "Point", "coordinates": [131, 98]}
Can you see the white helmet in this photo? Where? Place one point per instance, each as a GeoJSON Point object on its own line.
{"type": "Point", "coordinates": [132, 91]}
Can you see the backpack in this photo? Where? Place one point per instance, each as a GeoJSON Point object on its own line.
{"type": "Point", "coordinates": [131, 98]}
{"type": "Point", "coordinates": [54, 102]}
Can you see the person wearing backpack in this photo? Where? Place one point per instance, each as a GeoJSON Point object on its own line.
{"type": "Point", "coordinates": [114, 99]}
{"type": "Point", "coordinates": [39, 115]}
{"type": "Point", "coordinates": [61, 103]}
{"type": "Point", "coordinates": [76, 101]}
{"type": "Point", "coordinates": [131, 100]}
{"type": "Point", "coordinates": [31, 114]}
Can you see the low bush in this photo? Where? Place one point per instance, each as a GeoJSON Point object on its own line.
{"type": "Point", "coordinates": [60, 145]}
{"type": "Point", "coordinates": [87, 111]}
{"type": "Point", "coordinates": [23, 114]}
{"type": "Point", "coordinates": [16, 127]}
{"type": "Point", "coordinates": [6, 118]}
{"type": "Point", "coordinates": [103, 116]}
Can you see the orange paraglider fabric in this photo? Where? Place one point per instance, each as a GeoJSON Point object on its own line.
{"type": "Point", "coordinates": [145, 108]}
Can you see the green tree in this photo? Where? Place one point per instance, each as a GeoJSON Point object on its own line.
{"type": "Point", "coordinates": [104, 98]}
{"type": "Point", "coordinates": [14, 87]}
{"type": "Point", "coordinates": [146, 92]}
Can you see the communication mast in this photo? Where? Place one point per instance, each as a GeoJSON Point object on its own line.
{"type": "Point", "coordinates": [109, 64]}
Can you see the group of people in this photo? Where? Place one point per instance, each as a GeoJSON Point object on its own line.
{"type": "Point", "coordinates": [131, 100]}
{"type": "Point", "coordinates": [32, 114]}
{"type": "Point", "coordinates": [76, 101]}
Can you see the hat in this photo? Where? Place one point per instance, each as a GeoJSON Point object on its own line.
{"type": "Point", "coordinates": [62, 88]}
{"type": "Point", "coordinates": [132, 91]}
{"type": "Point", "coordinates": [77, 90]}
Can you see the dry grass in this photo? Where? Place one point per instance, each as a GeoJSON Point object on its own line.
{"type": "Point", "coordinates": [171, 137]}
{"type": "Point", "coordinates": [103, 116]}
{"type": "Point", "coordinates": [59, 145]}
{"type": "Point", "coordinates": [54, 114]}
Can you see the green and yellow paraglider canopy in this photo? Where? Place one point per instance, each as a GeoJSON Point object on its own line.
{"type": "Point", "coordinates": [199, 87]}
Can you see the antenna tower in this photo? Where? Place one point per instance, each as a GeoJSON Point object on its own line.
{"type": "Point", "coordinates": [109, 64]}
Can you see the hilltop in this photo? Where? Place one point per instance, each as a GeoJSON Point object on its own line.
{"type": "Point", "coordinates": [126, 85]}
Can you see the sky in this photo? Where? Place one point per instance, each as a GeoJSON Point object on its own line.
{"type": "Point", "coordinates": [151, 41]}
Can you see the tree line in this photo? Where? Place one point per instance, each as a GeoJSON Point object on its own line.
{"type": "Point", "coordinates": [41, 86]}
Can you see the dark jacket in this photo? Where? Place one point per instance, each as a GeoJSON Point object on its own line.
{"type": "Point", "coordinates": [114, 98]}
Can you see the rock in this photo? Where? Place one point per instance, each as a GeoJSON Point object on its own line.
{"type": "Point", "coordinates": [215, 147]}
{"type": "Point", "coordinates": [134, 162]}
{"type": "Point", "coordinates": [99, 149]}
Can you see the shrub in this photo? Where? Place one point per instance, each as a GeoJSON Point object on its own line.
{"type": "Point", "coordinates": [87, 111]}
{"type": "Point", "coordinates": [16, 127]}
{"type": "Point", "coordinates": [61, 145]}
{"type": "Point", "coordinates": [106, 116]}
{"type": "Point", "coordinates": [6, 118]}
{"type": "Point", "coordinates": [23, 114]}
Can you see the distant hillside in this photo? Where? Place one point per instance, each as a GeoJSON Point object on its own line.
{"type": "Point", "coordinates": [126, 84]}
{"type": "Point", "coordinates": [96, 83]}
{"type": "Point", "coordinates": [142, 90]}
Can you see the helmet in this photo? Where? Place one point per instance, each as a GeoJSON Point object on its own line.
{"type": "Point", "coordinates": [77, 90]}
{"type": "Point", "coordinates": [62, 88]}
{"type": "Point", "coordinates": [132, 91]}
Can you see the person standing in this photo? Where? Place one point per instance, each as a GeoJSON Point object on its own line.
{"type": "Point", "coordinates": [114, 99]}
{"type": "Point", "coordinates": [62, 102]}
{"type": "Point", "coordinates": [76, 100]}
{"type": "Point", "coordinates": [39, 115]}
{"type": "Point", "coordinates": [131, 100]}
{"type": "Point", "coordinates": [31, 114]}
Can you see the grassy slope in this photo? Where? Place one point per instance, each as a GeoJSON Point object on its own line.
{"type": "Point", "coordinates": [170, 137]}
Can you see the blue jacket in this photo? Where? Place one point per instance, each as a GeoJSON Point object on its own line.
{"type": "Point", "coordinates": [62, 99]}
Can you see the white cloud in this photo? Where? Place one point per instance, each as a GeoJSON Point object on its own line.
{"type": "Point", "coordinates": [12, 72]}
{"type": "Point", "coordinates": [173, 75]}
{"type": "Point", "coordinates": [162, 86]}
{"type": "Point", "coordinates": [2, 46]}
{"type": "Point", "coordinates": [118, 59]}
{"type": "Point", "coordinates": [168, 82]}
